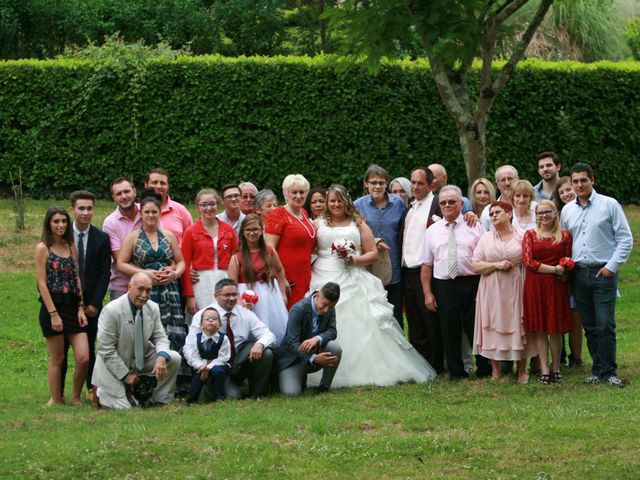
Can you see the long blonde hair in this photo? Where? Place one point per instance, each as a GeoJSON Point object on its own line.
{"type": "Point", "coordinates": [555, 226]}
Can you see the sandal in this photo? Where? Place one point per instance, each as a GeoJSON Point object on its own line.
{"type": "Point", "coordinates": [557, 377]}
{"type": "Point", "coordinates": [544, 379]}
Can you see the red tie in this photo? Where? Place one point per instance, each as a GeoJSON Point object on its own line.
{"type": "Point", "coordinates": [230, 335]}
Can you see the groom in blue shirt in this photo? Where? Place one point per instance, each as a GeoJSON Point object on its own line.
{"type": "Point", "coordinates": [602, 241]}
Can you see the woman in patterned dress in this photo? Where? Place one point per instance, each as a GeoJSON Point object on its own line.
{"type": "Point", "coordinates": [61, 312]}
{"type": "Point", "coordinates": [157, 253]}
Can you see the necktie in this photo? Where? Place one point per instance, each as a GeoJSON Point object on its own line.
{"type": "Point", "coordinates": [452, 255]}
{"type": "Point", "coordinates": [208, 345]}
{"type": "Point", "coordinates": [138, 342]}
{"type": "Point", "coordinates": [232, 343]}
{"type": "Point", "coordinates": [81, 257]}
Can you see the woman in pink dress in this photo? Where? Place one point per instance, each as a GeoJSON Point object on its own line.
{"type": "Point", "coordinates": [546, 296]}
{"type": "Point", "coordinates": [499, 331]}
{"type": "Point", "coordinates": [290, 232]}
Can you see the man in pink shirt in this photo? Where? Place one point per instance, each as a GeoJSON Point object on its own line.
{"type": "Point", "coordinates": [173, 215]}
{"type": "Point", "coordinates": [123, 220]}
{"type": "Point", "coordinates": [448, 281]}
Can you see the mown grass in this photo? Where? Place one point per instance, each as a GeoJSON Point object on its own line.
{"type": "Point", "coordinates": [445, 429]}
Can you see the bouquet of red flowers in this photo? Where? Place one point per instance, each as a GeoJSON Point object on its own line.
{"type": "Point", "coordinates": [567, 263]}
{"type": "Point", "coordinates": [249, 296]}
{"type": "Point", "coordinates": [343, 248]}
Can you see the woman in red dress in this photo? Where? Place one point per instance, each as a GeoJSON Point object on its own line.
{"type": "Point", "coordinates": [290, 232]}
{"type": "Point", "coordinates": [546, 294]}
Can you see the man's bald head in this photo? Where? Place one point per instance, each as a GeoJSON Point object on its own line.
{"type": "Point", "coordinates": [440, 177]}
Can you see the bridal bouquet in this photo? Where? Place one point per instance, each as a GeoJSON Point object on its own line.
{"type": "Point", "coordinates": [343, 248]}
{"type": "Point", "coordinates": [249, 296]}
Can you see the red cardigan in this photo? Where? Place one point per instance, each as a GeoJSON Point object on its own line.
{"type": "Point", "coordinates": [197, 250]}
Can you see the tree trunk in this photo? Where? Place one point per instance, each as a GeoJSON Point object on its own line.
{"type": "Point", "coordinates": [472, 144]}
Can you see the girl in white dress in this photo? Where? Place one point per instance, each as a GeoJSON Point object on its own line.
{"type": "Point", "coordinates": [256, 266]}
{"type": "Point", "coordinates": [375, 351]}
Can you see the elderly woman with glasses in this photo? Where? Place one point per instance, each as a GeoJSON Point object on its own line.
{"type": "Point", "coordinates": [546, 251]}
{"type": "Point", "coordinates": [499, 330]}
{"type": "Point", "coordinates": [290, 232]}
{"type": "Point", "coordinates": [207, 246]}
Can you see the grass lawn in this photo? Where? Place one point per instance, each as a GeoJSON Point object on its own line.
{"type": "Point", "coordinates": [468, 429]}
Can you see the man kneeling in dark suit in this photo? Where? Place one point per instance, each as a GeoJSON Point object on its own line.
{"type": "Point", "coordinates": [309, 344]}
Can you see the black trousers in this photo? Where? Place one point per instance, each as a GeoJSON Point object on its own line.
{"type": "Point", "coordinates": [424, 326]}
{"type": "Point", "coordinates": [456, 301]}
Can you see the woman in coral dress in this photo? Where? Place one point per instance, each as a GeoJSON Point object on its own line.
{"type": "Point", "coordinates": [547, 316]}
{"type": "Point", "coordinates": [290, 232]}
{"type": "Point", "coordinates": [499, 330]}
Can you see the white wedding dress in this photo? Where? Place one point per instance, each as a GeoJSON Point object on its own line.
{"type": "Point", "coordinates": [374, 350]}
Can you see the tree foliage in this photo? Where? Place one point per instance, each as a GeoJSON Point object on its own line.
{"type": "Point", "coordinates": [453, 33]}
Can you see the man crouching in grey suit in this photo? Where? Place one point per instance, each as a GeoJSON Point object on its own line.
{"type": "Point", "coordinates": [309, 344]}
{"type": "Point", "coordinates": [131, 341]}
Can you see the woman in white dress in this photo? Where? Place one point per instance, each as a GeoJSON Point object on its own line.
{"type": "Point", "coordinates": [375, 351]}
{"type": "Point", "coordinates": [256, 266]}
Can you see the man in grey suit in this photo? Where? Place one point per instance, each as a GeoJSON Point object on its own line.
{"type": "Point", "coordinates": [309, 344]}
{"type": "Point", "coordinates": [131, 341]}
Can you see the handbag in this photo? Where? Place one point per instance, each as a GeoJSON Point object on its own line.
{"type": "Point", "coordinates": [382, 267]}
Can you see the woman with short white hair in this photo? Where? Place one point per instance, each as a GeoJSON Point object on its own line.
{"type": "Point", "coordinates": [290, 232]}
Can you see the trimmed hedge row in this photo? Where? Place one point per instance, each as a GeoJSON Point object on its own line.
{"type": "Point", "coordinates": [210, 120]}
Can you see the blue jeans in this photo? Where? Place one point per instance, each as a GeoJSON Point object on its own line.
{"type": "Point", "coordinates": [596, 301]}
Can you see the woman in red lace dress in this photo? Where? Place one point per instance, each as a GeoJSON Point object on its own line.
{"type": "Point", "coordinates": [290, 232]}
{"type": "Point", "coordinates": [546, 294]}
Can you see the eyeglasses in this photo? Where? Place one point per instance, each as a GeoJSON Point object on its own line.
{"type": "Point", "coordinates": [447, 202]}
{"type": "Point", "coordinates": [233, 196]}
{"type": "Point", "coordinates": [495, 213]}
{"type": "Point", "coordinates": [248, 196]}
{"type": "Point", "coordinates": [546, 213]}
{"type": "Point", "coordinates": [377, 183]}
{"type": "Point", "coordinates": [210, 319]}
{"type": "Point", "coordinates": [208, 205]}
{"type": "Point", "coordinates": [253, 230]}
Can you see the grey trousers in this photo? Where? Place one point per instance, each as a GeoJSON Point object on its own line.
{"type": "Point", "coordinates": [291, 378]}
{"type": "Point", "coordinates": [257, 372]}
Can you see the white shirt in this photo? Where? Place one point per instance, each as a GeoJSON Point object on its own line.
{"type": "Point", "coordinates": [192, 354]}
{"type": "Point", "coordinates": [414, 230]}
{"type": "Point", "coordinates": [246, 326]}
{"type": "Point", "coordinates": [76, 237]}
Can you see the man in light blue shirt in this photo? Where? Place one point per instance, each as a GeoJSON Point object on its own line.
{"type": "Point", "coordinates": [602, 241]}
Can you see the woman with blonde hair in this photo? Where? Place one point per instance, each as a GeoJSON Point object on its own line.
{"type": "Point", "coordinates": [546, 253]}
{"type": "Point", "coordinates": [481, 193]}
{"type": "Point", "coordinates": [290, 232]}
{"type": "Point", "coordinates": [522, 197]}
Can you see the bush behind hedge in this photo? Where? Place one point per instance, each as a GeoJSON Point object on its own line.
{"type": "Point", "coordinates": [210, 120]}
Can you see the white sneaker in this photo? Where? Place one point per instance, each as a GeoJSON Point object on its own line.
{"type": "Point", "coordinates": [616, 382]}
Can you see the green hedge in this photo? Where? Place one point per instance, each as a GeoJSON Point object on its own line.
{"type": "Point", "coordinates": [210, 120]}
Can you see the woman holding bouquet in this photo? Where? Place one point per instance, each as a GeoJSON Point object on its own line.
{"type": "Point", "coordinates": [546, 253]}
{"type": "Point", "coordinates": [375, 351]}
{"type": "Point", "coordinates": [257, 267]}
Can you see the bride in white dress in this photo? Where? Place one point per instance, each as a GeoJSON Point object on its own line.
{"type": "Point", "coordinates": [375, 351]}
